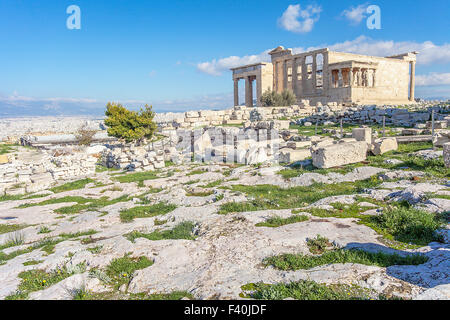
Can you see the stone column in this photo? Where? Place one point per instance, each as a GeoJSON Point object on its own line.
{"type": "Point", "coordinates": [236, 92]}
{"type": "Point", "coordinates": [247, 91]}
{"type": "Point", "coordinates": [364, 77]}
{"type": "Point", "coordinates": [350, 77]}
{"type": "Point", "coordinates": [250, 100]}
{"type": "Point", "coordinates": [314, 73]}
{"type": "Point", "coordinates": [259, 89]}
{"type": "Point", "coordinates": [412, 81]}
{"type": "Point", "coordinates": [359, 77]}
{"type": "Point", "coordinates": [340, 79]}
{"type": "Point", "coordinates": [374, 80]}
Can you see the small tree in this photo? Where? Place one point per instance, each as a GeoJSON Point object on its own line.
{"type": "Point", "coordinates": [84, 135]}
{"type": "Point", "coordinates": [288, 98]}
{"type": "Point", "coordinates": [129, 125]}
{"type": "Point", "coordinates": [273, 99]}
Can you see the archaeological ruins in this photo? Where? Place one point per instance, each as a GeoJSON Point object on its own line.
{"type": "Point", "coordinates": [327, 76]}
{"type": "Point", "coordinates": [200, 209]}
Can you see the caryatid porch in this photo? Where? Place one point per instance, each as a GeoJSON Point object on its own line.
{"type": "Point", "coordinates": [261, 73]}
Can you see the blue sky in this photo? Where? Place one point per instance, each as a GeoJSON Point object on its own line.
{"type": "Point", "coordinates": [175, 55]}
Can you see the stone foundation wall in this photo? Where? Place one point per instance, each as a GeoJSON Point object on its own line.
{"type": "Point", "coordinates": [20, 177]}
{"type": "Point", "coordinates": [235, 116]}
{"type": "Point", "coordinates": [136, 158]}
{"type": "Point", "coordinates": [374, 115]}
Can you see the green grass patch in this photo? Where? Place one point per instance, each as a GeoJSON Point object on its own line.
{"type": "Point", "coordinates": [305, 262]}
{"type": "Point", "coordinates": [95, 250]}
{"type": "Point", "coordinates": [184, 230]}
{"type": "Point", "coordinates": [212, 184]}
{"type": "Point", "coordinates": [35, 280]}
{"type": "Point", "coordinates": [44, 229]}
{"type": "Point", "coordinates": [10, 197]}
{"type": "Point", "coordinates": [138, 177]}
{"type": "Point", "coordinates": [115, 188]}
{"type": "Point", "coordinates": [121, 270]}
{"type": "Point", "coordinates": [342, 211]}
{"type": "Point", "coordinates": [278, 221]}
{"type": "Point", "coordinates": [83, 294]}
{"type": "Point", "coordinates": [21, 197]}
{"type": "Point", "coordinates": [265, 197]}
{"type": "Point", "coordinates": [8, 148]}
{"type": "Point", "coordinates": [196, 172]}
{"type": "Point", "coordinates": [14, 239]}
{"type": "Point", "coordinates": [161, 208]}
{"type": "Point", "coordinates": [306, 290]}
{"type": "Point", "coordinates": [158, 222]}
{"type": "Point", "coordinates": [77, 199]}
{"type": "Point", "coordinates": [32, 262]}
{"type": "Point", "coordinates": [6, 228]}
{"type": "Point", "coordinates": [432, 167]}
{"type": "Point", "coordinates": [199, 194]}
{"type": "Point", "coordinates": [75, 185]}
{"type": "Point", "coordinates": [91, 205]}
{"type": "Point", "coordinates": [192, 182]}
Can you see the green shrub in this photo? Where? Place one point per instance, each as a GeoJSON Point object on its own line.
{"type": "Point", "coordinates": [129, 125]}
{"type": "Point", "coordinates": [273, 99]}
{"type": "Point", "coordinates": [318, 245]}
{"type": "Point", "coordinates": [121, 270]}
{"type": "Point", "coordinates": [409, 225]}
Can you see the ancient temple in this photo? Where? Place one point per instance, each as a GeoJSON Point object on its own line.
{"type": "Point", "coordinates": [328, 76]}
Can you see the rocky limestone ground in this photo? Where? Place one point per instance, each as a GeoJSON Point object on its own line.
{"type": "Point", "coordinates": [65, 243]}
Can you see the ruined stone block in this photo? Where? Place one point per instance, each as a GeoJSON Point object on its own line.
{"type": "Point", "coordinates": [447, 154]}
{"type": "Point", "coordinates": [362, 134]}
{"type": "Point", "coordinates": [290, 155]}
{"type": "Point", "coordinates": [340, 154]}
{"type": "Point", "coordinates": [440, 138]}
{"type": "Point", "coordinates": [381, 146]}
{"type": "Point", "coordinates": [298, 144]}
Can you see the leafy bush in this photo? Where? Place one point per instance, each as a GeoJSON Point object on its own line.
{"type": "Point", "coordinates": [121, 270]}
{"type": "Point", "coordinates": [409, 225]}
{"type": "Point", "coordinates": [129, 125]}
{"type": "Point", "coordinates": [273, 99]}
{"type": "Point", "coordinates": [318, 245]}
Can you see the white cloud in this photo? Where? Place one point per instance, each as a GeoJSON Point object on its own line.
{"type": "Point", "coordinates": [216, 67]}
{"type": "Point", "coordinates": [296, 20]}
{"type": "Point", "coordinates": [428, 53]}
{"type": "Point", "coordinates": [433, 79]}
{"type": "Point", "coordinates": [355, 14]}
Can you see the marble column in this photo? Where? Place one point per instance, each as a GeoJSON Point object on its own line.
{"type": "Point", "coordinates": [236, 92]}
{"type": "Point", "coordinates": [412, 81]}
{"type": "Point", "coordinates": [248, 92]}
